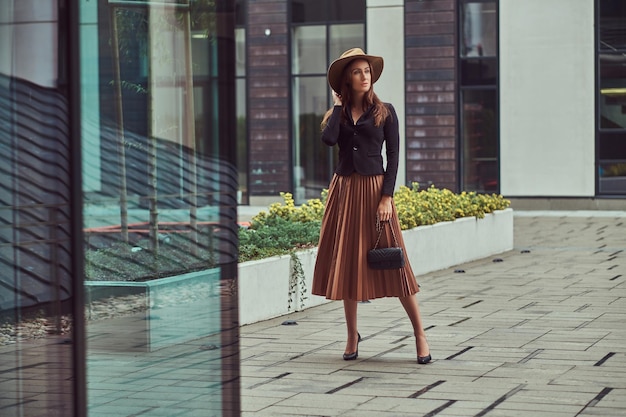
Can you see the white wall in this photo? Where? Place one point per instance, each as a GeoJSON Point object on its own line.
{"type": "Point", "coordinates": [547, 121]}
{"type": "Point", "coordinates": [385, 37]}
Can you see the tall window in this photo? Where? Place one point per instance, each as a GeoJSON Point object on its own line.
{"type": "Point", "coordinates": [241, 101]}
{"type": "Point", "coordinates": [320, 32]}
{"type": "Point", "coordinates": [611, 97]}
{"type": "Point", "coordinates": [478, 80]}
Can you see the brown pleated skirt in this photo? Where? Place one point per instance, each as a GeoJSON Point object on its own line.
{"type": "Point", "coordinates": [348, 232]}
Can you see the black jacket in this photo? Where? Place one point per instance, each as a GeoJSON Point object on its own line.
{"type": "Point", "coordinates": [360, 145]}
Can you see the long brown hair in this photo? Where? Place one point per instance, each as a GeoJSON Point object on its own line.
{"type": "Point", "coordinates": [370, 99]}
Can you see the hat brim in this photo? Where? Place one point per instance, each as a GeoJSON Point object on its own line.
{"type": "Point", "coordinates": [336, 68]}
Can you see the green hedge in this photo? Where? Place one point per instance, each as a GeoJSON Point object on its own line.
{"type": "Point", "coordinates": [285, 226]}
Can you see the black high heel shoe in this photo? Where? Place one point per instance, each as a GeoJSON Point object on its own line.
{"type": "Point", "coordinates": [352, 356]}
{"type": "Point", "coordinates": [423, 360]}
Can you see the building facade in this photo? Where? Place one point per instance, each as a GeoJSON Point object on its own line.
{"type": "Point", "coordinates": [521, 98]}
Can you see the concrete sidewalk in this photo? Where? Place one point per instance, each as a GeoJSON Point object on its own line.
{"type": "Point", "coordinates": [537, 331]}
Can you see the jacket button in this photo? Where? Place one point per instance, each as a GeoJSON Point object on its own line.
{"type": "Point", "coordinates": [355, 148]}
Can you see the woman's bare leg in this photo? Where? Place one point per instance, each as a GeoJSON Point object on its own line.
{"type": "Point", "coordinates": [413, 311]}
{"type": "Point", "coordinates": [349, 308]}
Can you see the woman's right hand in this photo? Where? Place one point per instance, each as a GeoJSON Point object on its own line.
{"type": "Point", "coordinates": [336, 99]}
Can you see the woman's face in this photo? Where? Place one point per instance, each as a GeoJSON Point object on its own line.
{"type": "Point", "coordinates": [360, 76]}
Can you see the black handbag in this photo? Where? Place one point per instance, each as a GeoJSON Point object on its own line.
{"type": "Point", "coordinates": [385, 258]}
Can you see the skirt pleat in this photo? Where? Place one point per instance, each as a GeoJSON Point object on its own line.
{"type": "Point", "coordinates": [348, 231]}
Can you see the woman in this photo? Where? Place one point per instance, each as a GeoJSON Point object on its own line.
{"type": "Point", "coordinates": [361, 191]}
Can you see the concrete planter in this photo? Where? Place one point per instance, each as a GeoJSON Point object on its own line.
{"type": "Point", "coordinates": [150, 315]}
{"type": "Point", "coordinates": [267, 288]}
{"type": "Point", "coordinates": [442, 245]}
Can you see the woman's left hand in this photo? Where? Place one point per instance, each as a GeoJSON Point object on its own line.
{"type": "Point", "coordinates": [384, 208]}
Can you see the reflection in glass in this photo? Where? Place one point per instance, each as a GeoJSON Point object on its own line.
{"type": "Point", "coordinates": [313, 161]}
{"type": "Point", "coordinates": [240, 52]}
{"type": "Point", "coordinates": [612, 97]}
{"type": "Point", "coordinates": [612, 162]}
{"type": "Point", "coordinates": [242, 142]}
{"type": "Point", "coordinates": [241, 103]}
{"type": "Point", "coordinates": [37, 326]}
{"type": "Point", "coordinates": [309, 49]}
{"type": "Point", "coordinates": [36, 297]}
{"type": "Point", "coordinates": [344, 37]}
{"type": "Point", "coordinates": [612, 91]}
{"type": "Point", "coordinates": [612, 25]}
{"type": "Point", "coordinates": [478, 28]}
{"type": "Point", "coordinates": [613, 177]}
{"type": "Point", "coordinates": [479, 71]}
{"type": "Point", "coordinates": [159, 209]}
{"type": "Point", "coordinates": [480, 140]}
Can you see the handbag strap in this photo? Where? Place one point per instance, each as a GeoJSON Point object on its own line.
{"type": "Point", "coordinates": [379, 228]}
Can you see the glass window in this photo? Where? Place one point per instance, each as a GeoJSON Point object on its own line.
{"type": "Point", "coordinates": [478, 28]}
{"type": "Point", "coordinates": [480, 140]}
{"type": "Point", "coordinates": [39, 330]}
{"type": "Point", "coordinates": [314, 47]}
{"type": "Point", "coordinates": [242, 142]}
{"type": "Point", "coordinates": [240, 51]}
{"type": "Point", "coordinates": [612, 34]}
{"type": "Point", "coordinates": [313, 164]}
{"type": "Point", "coordinates": [479, 71]}
{"type": "Point", "coordinates": [346, 10]}
{"type": "Point", "coordinates": [612, 91]}
{"type": "Point", "coordinates": [241, 103]}
{"type": "Point", "coordinates": [309, 44]}
{"type": "Point", "coordinates": [318, 11]}
{"type": "Point", "coordinates": [611, 97]}
{"type": "Point", "coordinates": [343, 37]}
{"type": "Point", "coordinates": [478, 82]}
{"type": "Point", "coordinates": [161, 182]}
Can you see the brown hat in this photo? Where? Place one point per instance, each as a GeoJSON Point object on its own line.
{"type": "Point", "coordinates": [335, 71]}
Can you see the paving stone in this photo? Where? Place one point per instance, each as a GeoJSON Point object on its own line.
{"type": "Point", "coordinates": [540, 333]}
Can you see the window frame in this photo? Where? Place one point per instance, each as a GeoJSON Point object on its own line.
{"type": "Point", "coordinates": [462, 164]}
{"type": "Point", "coordinates": [293, 77]}
{"type": "Point", "coordinates": [600, 131]}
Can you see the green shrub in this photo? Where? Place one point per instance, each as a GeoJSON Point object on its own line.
{"type": "Point", "coordinates": [276, 236]}
{"type": "Point", "coordinates": [422, 207]}
{"type": "Point", "coordinates": [285, 227]}
{"type": "Point", "coordinates": [311, 211]}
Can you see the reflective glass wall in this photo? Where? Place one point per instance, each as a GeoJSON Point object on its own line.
{"type": "Point", "coordinates": [160, 195]}
{"type": "Point", "coordinates": [39, 331]}
{"type": "Point", "coordinates": [118, 208]}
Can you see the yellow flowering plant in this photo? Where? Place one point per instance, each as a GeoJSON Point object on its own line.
{"type": "Point", "coordinates": [285, 226]}
{"type": "Point", "coordinates": [312, 210]}
{"type": "Point", "coordinates": [415, 207]}
{"type": "Point", "coordinates": [433, 205]}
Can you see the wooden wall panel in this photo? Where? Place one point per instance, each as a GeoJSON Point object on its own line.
{"type": "Point", "coordinates": [431, 100]}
